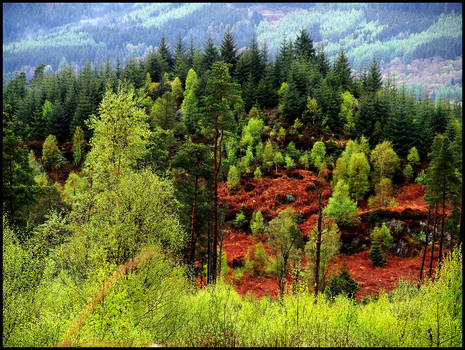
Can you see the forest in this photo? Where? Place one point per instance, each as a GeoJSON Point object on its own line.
{"type": "Point", "coordinates": [206, 196]}
{"type": "Point", "coordinates": [54, 33]}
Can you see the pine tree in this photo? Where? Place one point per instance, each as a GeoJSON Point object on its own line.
{"type": "Point", "coordinates": [165, 52]}
{"type": "Point", "coordinates": [228, 48]}
{"type": "Point", "coordinates": [181, 65]}
{"type": "Point", "coordinates": [343, 72]}
{"type": "Point", "coordinates": [220, 96]}
{"type": "Point", "coordinates": [210, 54]}
{"type": "Point", "coordinates": [374, 80]}
{"type": "Point", "coordinates": [304, 46]}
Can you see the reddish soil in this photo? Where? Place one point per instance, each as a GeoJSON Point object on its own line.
{"type": "Point", "coordinates": [268, 195]}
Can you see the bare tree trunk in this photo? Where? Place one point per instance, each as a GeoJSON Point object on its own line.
{"type": "Point", "coordinates": [209, 267]}
{"type": "Point", "coordinates": [194, 212]}
{"type": "Point", "coordinates": [90, 199]}
{"type": "Point", "coordinates": [318, 246]}
{"type": "Point", "coordinates": [215, 206]}
{"type": "Point", "coordinates": [220, 260]}
{"type": "Point", "coordinates": [426, 245]}
{"type": "Point", "coordinates": [442, 227]}
{"type": "Point", "coordinates": [433, 239]}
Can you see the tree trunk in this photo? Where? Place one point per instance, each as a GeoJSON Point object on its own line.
{"type": "Point", "coordinates": [426, 245]}
{"type": "Point", "coordinates": [209, 251]}
{"type": "Point", "coordinates": [318, 246]}
{"type": "Point", "coordinates": [215, 206]}
{"type": "Point", "coordinates": [90, 199]}
{"type": "Point", "coordinates": [442, 227]}
{"type": "Point", "coordinates": [433, 239]}
{"type": "Point", "coordinates": [194, 212]}
{"type": "Point", "coordinates": [220, 260]}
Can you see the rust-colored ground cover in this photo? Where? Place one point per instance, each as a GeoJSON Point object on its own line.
{"type": "Point", "coordinates": [268, 195]}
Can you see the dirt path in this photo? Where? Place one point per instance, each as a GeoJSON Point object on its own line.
{"type": "Point", "coordinates": [129, 266]}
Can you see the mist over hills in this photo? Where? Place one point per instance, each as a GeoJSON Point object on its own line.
{"type": "Point", "coordinates": [402, 37]}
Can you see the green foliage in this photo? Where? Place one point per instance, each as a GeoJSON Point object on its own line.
{"type": "Point", "coordinates": [329, 248]}
{"type": "Point", "coordinates": [176, 88]}
{"type": "Point", "coordinates": [234, 177]}
{"type": "Point", "coordinates": [340, 207]}
{"type": "Point", "coordinates": [257, 173]}
{"type": "Point", "coordinates": [304, 160]}
{"type": "Point", "coordinates": [341, 283]}
{"type": "Point", "coordinates": [358, 172]}
{"type": "Point", "coordinates": [267, 159]}
{"type": "Point", "coordinates": [383, 193]}
{"type": "Point", "coordinates": [347, 114]}
{"type": "Point", "coordinates": [408, 171]}
{"type": "Point", "coordinates": [278, 159]}
{"type": "Point", "coordinates": [257, 224]}
{"type": "Point", "coordinates": [381, 242]}
{"type": "Point", "coordinates": [120, 137]}
{"type": "Point", "coordinates": [240, 220]}
{"type": "Point", "coordinates": [318, 154]}
{"type": "Point", "coordinates": [261, 264]}
{"type": "Point", "coordinates": [413, 157]}
{"type": "Point", "coordinates": [50, 151]}
{"type": "Point", "coordinates": [290, 163]}
{"type": "Point", "coordinates": [384, 160]}
{"type": "Point", "coordinates": [284, 239]}
{"type": "Point", "coordinates": [78, 146]}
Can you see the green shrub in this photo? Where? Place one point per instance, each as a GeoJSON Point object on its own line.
{"type": "Point", "coordinates": [341, 283]}
{"type": "Point", "coordinates": [234, 177]}
{"type": "Point", "coordinates": [240, 221]}
{"type": "Point", "coordinates": [257, 173]}
{"type": "Point", "coordinates": [257, 225]}
{"type": "Point", "coordinates": [381, 242]}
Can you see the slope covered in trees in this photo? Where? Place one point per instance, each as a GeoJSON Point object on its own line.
{"type": "Point", "coordinates": [200, 171]}
{"type": "Point", "coordinates": [76, 33]}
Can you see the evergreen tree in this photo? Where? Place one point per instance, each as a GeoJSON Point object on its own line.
{"type": "Point", "coordinates": [304, 46]}
{"type": "Point", "coordinates": [374, 80]}
{"type": "Point", "coordinates": [19, 192]}
{"type": "Point", "coordinates": [210, 54]}
{"type": "Point", "coordinates": [343, 72]}
{"type": "Point", "coordinates": [165, 52]}
{"type": "Point", "coordinates": [228, 48]}
{"type": "Point", "coordinates": [181, 65]}
{"type": "Point", "coordinates": [220, 97]}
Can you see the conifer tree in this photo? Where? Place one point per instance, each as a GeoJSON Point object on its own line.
{"type": "Point", "coordinates": [210, 54]}
{"type": "Point", "coordinates": [228, 48]}
{"type": "Point", "coordinates": [304, 46]}
{"type": "Point", "coordinates": [165, 52]}
{"type": "Point", "coordinates": [220, 97]}
{"type": "Point", "coordinates": [374, 80]}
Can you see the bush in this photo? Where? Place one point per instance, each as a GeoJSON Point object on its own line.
{"type": "Point", "coordinates": [341, 283]}
{"type": "Point", "coordinates": [257, 173]}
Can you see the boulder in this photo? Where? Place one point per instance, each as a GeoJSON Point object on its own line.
{"type": "Point", "coordinates": [289, 198]}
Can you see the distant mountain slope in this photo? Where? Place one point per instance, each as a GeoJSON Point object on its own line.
{"type": "Point", "coordinates": [57, 33]}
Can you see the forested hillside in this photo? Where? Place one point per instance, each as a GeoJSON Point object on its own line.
{"type": "Point", "coordinates": [54, 34]}
{"type": "Point", "coordinates": [204, 195]}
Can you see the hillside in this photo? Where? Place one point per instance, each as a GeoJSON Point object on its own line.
{"type": "Point", "coordinates": [221, 196]}
{"type": "Point", "coordinates": [416, 34]}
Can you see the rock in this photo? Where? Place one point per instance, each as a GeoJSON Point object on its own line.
{"type": "Point", "coordinates": [290, 198]}
{"type": "Point", "coordinates": [300, 218]}
{"type": "Point", "coordinates": [401, 248]}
